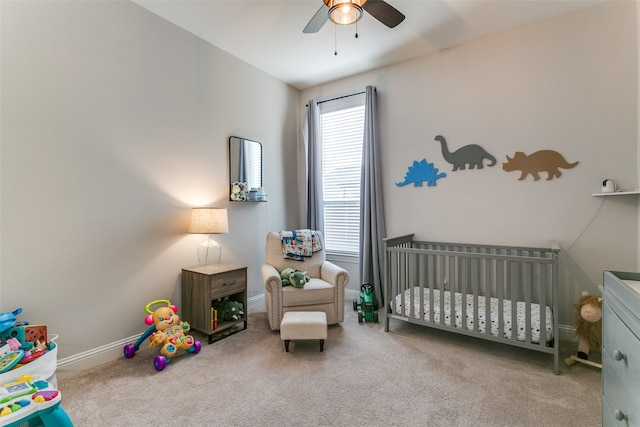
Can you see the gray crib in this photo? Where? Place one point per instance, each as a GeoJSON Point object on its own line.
{"type": "Point", "coordinates": [499, 293]}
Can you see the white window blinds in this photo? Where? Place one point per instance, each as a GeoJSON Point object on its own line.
{"type": "Point", "coordinates": [342, 130]}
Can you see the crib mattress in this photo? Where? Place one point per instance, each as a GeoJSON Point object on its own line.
{"type": "Point", "coordinates": [506, 304]}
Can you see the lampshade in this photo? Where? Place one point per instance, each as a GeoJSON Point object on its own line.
{"type": "Point", "coordinates": [209, 221]}
{"type": "Point", "coordinates": [345, 12]}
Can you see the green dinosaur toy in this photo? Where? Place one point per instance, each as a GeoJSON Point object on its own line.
{"type": "Point", "coordinates": [295, 278]}
{"type": "Point", "coordinates": [298, 278]}
{"type": "Point", "coordinates": [284, 276]}
{"type": "Point", "coordinates": [232, 310]}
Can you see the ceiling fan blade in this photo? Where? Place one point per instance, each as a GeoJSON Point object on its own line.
{"type": "Point", "coordinates": [383, 12]}
{"type": "Point", "coordinates": [318, 20]}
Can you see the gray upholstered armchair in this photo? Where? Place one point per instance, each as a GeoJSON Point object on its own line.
{"type": "Point", "coordinates": [323, 292]}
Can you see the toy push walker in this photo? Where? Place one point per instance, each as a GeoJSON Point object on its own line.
{"type": "Point", "coordinates": [166, 330]}
{"type": "Point", "coordinates": [368, 307]}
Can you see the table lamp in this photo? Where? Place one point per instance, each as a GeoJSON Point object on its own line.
{"type": "Point", "coordinates": [209, 221]}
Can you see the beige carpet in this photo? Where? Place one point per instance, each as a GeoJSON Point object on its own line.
{"type": "Point", "coordinates": [409, 376]}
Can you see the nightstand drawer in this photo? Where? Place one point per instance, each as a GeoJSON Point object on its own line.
{"type": "Point", "coordinates": [227, 283]}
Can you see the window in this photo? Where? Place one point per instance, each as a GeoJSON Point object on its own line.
{"type": "Point", "coordinates": [342, 132]}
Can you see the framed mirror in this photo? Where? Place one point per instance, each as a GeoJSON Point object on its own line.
{"type": "Point", "coordinates": [245, 166]}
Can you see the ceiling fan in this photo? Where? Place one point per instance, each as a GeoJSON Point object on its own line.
{"type": "Point", "coordinates": [345, 12]}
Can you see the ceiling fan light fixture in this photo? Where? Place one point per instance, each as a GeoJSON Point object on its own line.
{"type": "Point", "coordinates": [345, 12]}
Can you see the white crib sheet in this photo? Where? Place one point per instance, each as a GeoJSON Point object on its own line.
{"type": "Point", "coordinates": [506, 304]}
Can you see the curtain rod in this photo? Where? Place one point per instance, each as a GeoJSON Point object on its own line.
{"type": "Point", "coordinates": [338, 97]}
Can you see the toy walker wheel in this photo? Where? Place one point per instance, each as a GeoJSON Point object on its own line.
{"type": "Point", "coordinates": [129, 351]}
{"type": "Point", "coordinates": [195, 349]}
{"type": "Point", "coordinates": [359, 317]}
{"type": "Point", "coordinates": [375, 317]}
{"type": "Point", "coordinates": [355, 304]}
{"type": "Point", "coordinates": [159, 362]}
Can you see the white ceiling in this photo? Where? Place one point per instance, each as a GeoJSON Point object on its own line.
{"type": "Point", "coordinates": [268, 34]}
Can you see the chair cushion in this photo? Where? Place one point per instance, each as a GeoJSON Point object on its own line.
{"type": "Point", "coordinates": [315, 291]}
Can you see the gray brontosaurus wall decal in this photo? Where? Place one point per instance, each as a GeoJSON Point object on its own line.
{"type": "Point", "coordinates": [544, 160]}
{"type": "Point", "coordinates": [471, 154]}
{"type": "Point", "coordinates": [421, 171]}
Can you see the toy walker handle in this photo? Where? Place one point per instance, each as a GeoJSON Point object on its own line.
{"type": "Point", "coordinates": [148, 310]}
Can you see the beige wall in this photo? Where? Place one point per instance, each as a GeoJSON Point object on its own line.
{"type": "Point", "coordinates": [567, 84]}
{"type": "Point", "coordinates": [637, 4]}
{"type": "Point", "coordinates": [114, 123]}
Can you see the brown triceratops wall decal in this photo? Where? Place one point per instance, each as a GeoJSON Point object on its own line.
{"type": "Point", "coordinates": [541, 161]}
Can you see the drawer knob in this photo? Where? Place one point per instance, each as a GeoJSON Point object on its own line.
{"type": "Point", "coordinates": [618, 355]}
{"type": "Point", "coordinates": [233, 282]}
{"type": "Point", "coordinates": [620, 415]}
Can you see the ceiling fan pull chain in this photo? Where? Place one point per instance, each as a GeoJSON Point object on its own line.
{"type": "Point", "coordinates": [356, 29]}
{"type": "Point", "coordinates": [335, 39]}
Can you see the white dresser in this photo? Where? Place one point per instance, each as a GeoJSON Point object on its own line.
{"type": "Point", "coordinates": [621, 349]}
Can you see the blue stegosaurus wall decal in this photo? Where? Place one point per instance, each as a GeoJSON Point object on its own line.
{"type": "Point", "coordinates": [421, 171]}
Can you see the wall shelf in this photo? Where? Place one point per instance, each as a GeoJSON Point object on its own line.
{"type": "Point", "coordinates": [617, 193]}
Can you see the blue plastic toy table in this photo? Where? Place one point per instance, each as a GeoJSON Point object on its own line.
{"type": "Point", "coordinates": [26, 402]}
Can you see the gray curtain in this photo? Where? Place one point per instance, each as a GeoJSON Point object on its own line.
{"type": "Point", "coordinates": [311, 135]}
{"type": "Point", "coordinates": [372, 229]}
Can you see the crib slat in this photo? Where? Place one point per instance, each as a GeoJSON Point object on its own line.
{"type": "Point", "coordinates": [436, 273]}
{"type": "Point", "coordinates": [502, 277]}
{"type": "Point", "coordinates": [489, 273]}
{"type": "Point", "coordinates": [452, 293]}
{"type": "Point", "coordinates": [475, 274]}
{"type": "Point", "coordinates": [544, 284]}
{"type": "Point", "coordinates": [527, 280]}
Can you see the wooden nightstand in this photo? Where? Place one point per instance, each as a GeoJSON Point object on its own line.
{"type": "Point", "coordinates": [203, 288]}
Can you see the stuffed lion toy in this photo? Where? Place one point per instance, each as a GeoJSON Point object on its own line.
{"type": "Point", "coordinates": [588, 317]}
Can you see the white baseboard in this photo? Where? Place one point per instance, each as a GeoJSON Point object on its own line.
{"type": "Point", "coordinates": [258, 300]}
{"type": "Point", "coordinates": [567, 333]}
{"type": "Point", "coordinates": [94, 357]}
{"type": "Point", "coordinates": [350, 294]}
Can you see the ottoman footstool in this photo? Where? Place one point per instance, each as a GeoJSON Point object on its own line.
{"type": "Point", "coordinates": [303, 325]}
